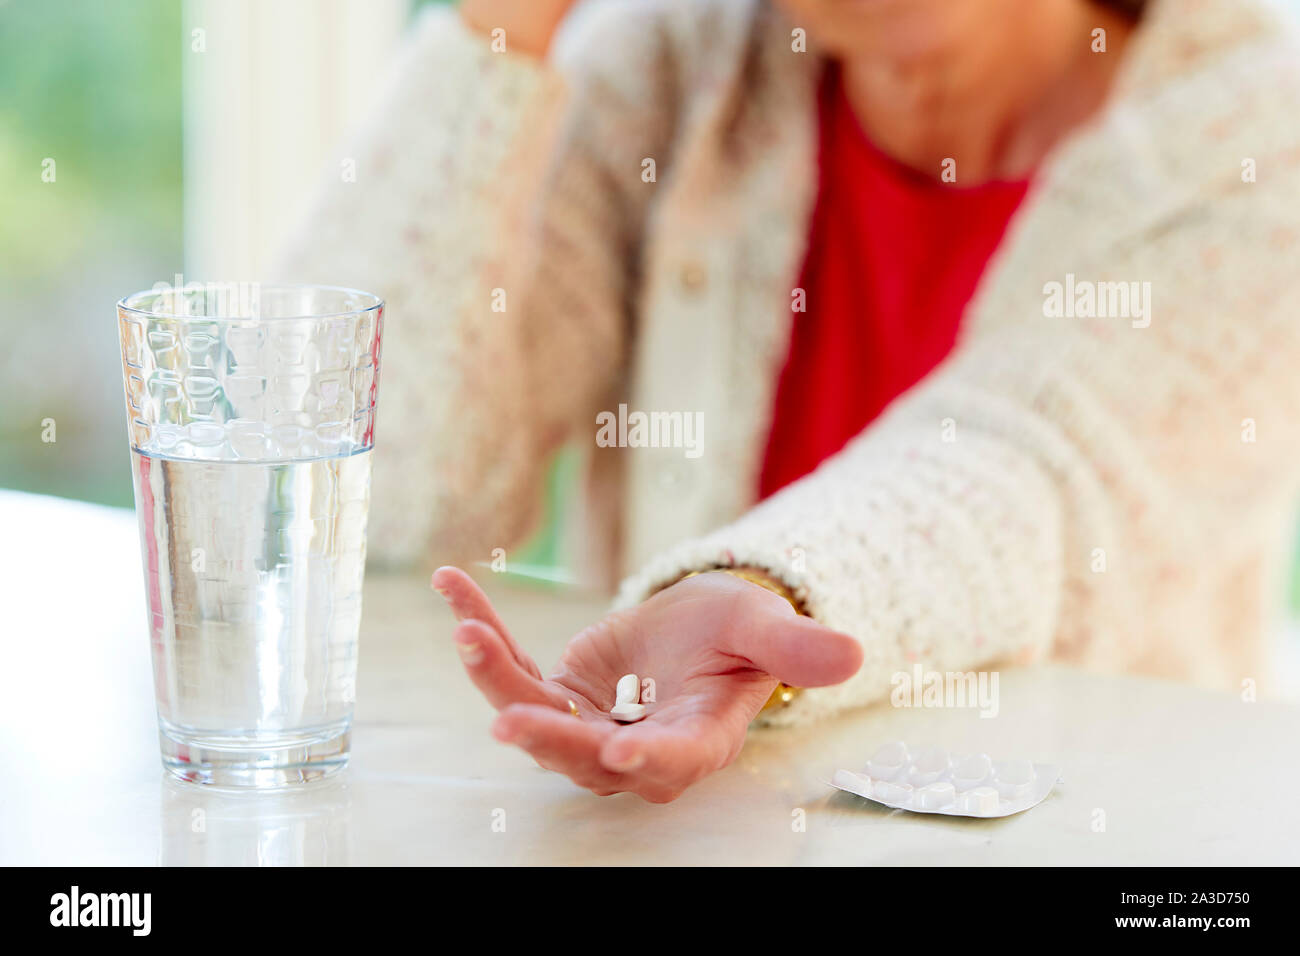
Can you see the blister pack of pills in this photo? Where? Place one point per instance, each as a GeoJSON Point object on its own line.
{"type": "Point", "coordinates": [934, 781]}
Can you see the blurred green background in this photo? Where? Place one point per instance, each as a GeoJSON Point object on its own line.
{"type": "Point", "coordinates": [75, 88]}
{"type": "Point", "coordinates": [96, 86]}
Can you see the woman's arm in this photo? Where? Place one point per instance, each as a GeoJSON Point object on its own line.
{"type": "Point", "coordinates": [1066, 485]}
{"type": "Point", "coordinates": [490, 207]}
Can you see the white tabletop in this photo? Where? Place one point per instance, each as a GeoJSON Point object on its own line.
{"type": "Point", "coordinates": [1172, 774]}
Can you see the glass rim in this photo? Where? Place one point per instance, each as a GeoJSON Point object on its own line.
{"type": "Point", "coordinates": [376, 303]}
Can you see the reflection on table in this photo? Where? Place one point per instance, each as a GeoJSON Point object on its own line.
{"type": "Point", "coordinates": [1154, 772]}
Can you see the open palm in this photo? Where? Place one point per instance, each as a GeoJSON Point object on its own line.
{"type": "Point", "coordinates": [712, 648]}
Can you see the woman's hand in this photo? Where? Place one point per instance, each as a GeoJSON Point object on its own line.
{"type": "Point", "coordinates": [529, 24]}
{"type": "Point", "coordinates": [715, 647]}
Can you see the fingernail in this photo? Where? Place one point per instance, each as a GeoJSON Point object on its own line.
{"type": "Point", "coordinates": [470, 653]}
{"type": "Point", "coordinates": [628, 763]}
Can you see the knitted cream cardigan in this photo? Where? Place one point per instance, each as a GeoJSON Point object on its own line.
{"type": "Point", "coordinates": [626, 225]}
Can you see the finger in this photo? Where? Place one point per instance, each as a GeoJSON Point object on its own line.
{"type": "Point", "coordinates": [494, 670]}
{"type": "Point", "coordinates": [797, 650]}
{"type": "Point", "coordinates": [668, 757]}
{"type": "Point", "coordinates": [467, 600]}
{"type": "Point", "coordinates": [558, 741]}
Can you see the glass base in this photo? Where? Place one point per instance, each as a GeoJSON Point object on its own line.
{"type": "Point", "coordinates": [259, 761]}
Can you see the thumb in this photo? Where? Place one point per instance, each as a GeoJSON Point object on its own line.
{"type": "Point", "coordinates": [797, 650]}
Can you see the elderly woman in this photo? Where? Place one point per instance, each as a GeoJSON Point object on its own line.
{"type": "Point", "coordinates": [984, 313]}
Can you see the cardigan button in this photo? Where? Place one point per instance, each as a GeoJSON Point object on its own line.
{"type": "Point", "coordinates": [694, 277]}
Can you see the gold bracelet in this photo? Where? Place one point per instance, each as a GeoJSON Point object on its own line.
{"type": "Point", "coordinates": [783, 693]}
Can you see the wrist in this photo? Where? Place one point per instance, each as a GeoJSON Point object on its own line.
{"type": "Point", "coordinates": [767, 581]}
{"type": "Point", "coordinates": [784, 693]}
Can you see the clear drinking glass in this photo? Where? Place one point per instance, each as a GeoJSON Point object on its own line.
{"type": "Point", "coordinates": [251, 416]}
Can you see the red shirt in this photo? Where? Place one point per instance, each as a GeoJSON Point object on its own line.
{"type": "Point", "coordinates": [893, 259]}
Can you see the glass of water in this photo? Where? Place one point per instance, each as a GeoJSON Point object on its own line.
{"type": "Point", "coordinates": [251, 414]}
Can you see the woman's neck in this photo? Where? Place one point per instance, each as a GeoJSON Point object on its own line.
{"type": "Point", "coordinates": [997, 104]}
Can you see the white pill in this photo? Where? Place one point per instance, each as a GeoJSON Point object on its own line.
{"type": "Point", "coordinates": [929, 766]}
{"type": "Point", "coordinates": [628, 690]}
{"type": "Point", "coordinates": [887, 792]}
{"type": "Point", "coordinates": [936, 796]}
{"type": "Point", "coordinates": [627, 713]}
{"type": "Point", "coordinates": [1014, 779]}
{"type": "Point", "coordinates": [980, 801]}
{"type": "Point", "coordinates": [886, 762]}
{"type": "Point", "coordinates": [971, 771]}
